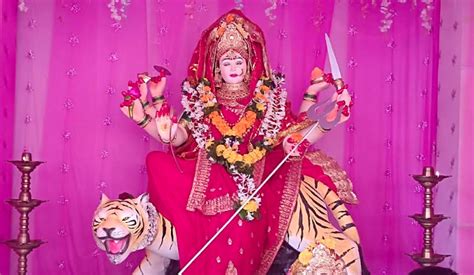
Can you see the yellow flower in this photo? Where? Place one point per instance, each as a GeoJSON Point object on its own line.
{"type": "Point", "coordinates": [269, 141]}
{"type": "Point", "coordinates": [220, 149]}
{"type": "Point", "coordinates": [231, 159]}
{"type": "Point", "coordinates": [260, 107]}
{"type": "Point", "coordinates": [247, 159]}
{"type": "Point", "coordinates": [209, 143]}
{"type": "Point", "coordinates": [239, 157]}
{"type": "Point", "coordinates": [227, 153]}
{"type": "Point", "coordinates": [251, 206]}
{"type": "Point", "coordinates": [328, 242]}
{"type": "Point", "coordinates": [305, 257]}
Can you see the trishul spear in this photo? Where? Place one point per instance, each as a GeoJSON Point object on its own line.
{"type": "Point", "coordinates": [317, 113]}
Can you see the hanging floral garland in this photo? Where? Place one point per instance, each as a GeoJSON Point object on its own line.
{"type": "Point", "coordinates": [268, 105]}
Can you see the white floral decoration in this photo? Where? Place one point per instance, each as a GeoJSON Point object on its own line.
{"type": "Point", "coordinates": [118, 14]}
{"type": "Point", "coordinates": [22, 6]}
{"type": "Point", "coordinates": [426, 15]}
{"type": "Point", "coordinates": [388, 15]}
{"type": "Point", "coordinates": [269, 11]}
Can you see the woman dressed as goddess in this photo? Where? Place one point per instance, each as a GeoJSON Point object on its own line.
{"type": "Point", "coordinates": [235, 129]}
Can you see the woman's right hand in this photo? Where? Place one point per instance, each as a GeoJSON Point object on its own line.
{"type": "Point", "coordinates": [157, 88]}
{"type": "Point", "coordinates": [134, 112]}
{"type": "Point", "coordinates": [166, 128]}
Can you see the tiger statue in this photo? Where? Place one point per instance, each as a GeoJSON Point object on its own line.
{"type": "Point", "coordinates": [128, 224]}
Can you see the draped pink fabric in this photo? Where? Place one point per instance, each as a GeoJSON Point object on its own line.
{"type": "Point", "coordinates": [7, 107]}
{"type": "Point", "coordinates": [73, 61]}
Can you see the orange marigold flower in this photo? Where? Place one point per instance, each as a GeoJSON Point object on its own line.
{"type": "Point", "coordinates": [229, 18]}
{"type": "Point", "coordinates": [220, 31]}
{"type": "Point", "coordinates": [265, 88]}
{"type": "Point", "coordinates": [261, 97]}
{"type": "Point", "coordinates": [206, 88]}
{"type": "Point", "coordinates": [296, 137]}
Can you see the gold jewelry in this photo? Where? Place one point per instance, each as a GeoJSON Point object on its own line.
{"type": "Point", "coordinates": [157, 99]}
{"type": "Point", "coordinates": [317, 80]}
{"type": "Point", "coordinates": [232, 38]}
{"type": "Point", "coordinates": [144, 104]}
{"type": "Point", "coordinates": [229, 94]}
{"type": "Point", "coordinates": [130, 111]}
{"type": "Point", "coordinates": [233, 91]}
{"type": "Point", "coordinates": [310, 97]}
{"type": "Point", "coordinates": [145, 121]}
{"type": "Point", "coordinates": [322, 129]}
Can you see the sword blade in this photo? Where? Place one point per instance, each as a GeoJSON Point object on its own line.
{"type": "Point", "coordinates": [336, 73]}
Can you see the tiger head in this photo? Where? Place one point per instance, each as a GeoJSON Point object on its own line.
{"type": "Point", "coordinates": [124, 225]}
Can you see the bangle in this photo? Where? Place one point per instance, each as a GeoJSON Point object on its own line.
{"type": "Point", "coordinates": [169, 141]}
{"type": "Point", "coordinates": [310, 97]}
{"type": "Point", "coordinates": [130, 111]}
{"type": "Point", "coordinates": [144, 104]}
{"type": "Point", "coordinates": [145, 121]}
{"type": "Point", "coordinates": [157, 99]}
{"type": "Point", "coordinates": [317, 80]}
{"type": "Point", "coordinates": [322, 129]}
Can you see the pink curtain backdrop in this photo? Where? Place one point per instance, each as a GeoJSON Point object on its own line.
{"type": "Point", "coordinates": [8, 32]}
{"type": "Point", "coordinates": [448, 130]}
{"type": "Point", "coordinates": [73, 61]}
{"type": "Point", "coordinates": [455, 134]}
{"type": "Point", "coordinates": [465, 229]}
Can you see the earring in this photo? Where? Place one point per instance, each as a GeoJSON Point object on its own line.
{"type": "Point", "coordinates": [217, 78]}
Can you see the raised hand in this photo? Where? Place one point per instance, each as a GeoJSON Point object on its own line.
{"type": "Point", "coordinates": [134, 112]}
{"type": "Point", "coordinates": [157, 88]}
{"type": "Point", "coordinates": [167, 128]}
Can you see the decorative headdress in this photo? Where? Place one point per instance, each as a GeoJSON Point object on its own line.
{"type": "Point", "coordinates": [232, 31]}
{"type": "Point", "coordinates": [231, 35]}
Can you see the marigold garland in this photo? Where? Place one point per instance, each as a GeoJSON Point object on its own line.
{"type": "Point", "coordinates": [200, 103]}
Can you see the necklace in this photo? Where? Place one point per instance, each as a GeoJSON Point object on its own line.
{"type": "Point", "coordinates": [229, 94]}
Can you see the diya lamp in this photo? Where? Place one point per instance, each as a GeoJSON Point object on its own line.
{"type": "Point", "coordinates": [428, 219]}
{"type": "Point", "coordinates": [23, 245]}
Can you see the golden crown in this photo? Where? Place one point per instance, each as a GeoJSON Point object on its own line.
{"type": "Point", "coordinates": [231, 35]}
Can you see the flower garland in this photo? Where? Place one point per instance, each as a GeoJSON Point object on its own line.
{"type": "Point", "coordinates": [201, 108]}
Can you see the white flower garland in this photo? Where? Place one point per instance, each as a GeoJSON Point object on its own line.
{"type": "Point", "coordinates": [269, 128]}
